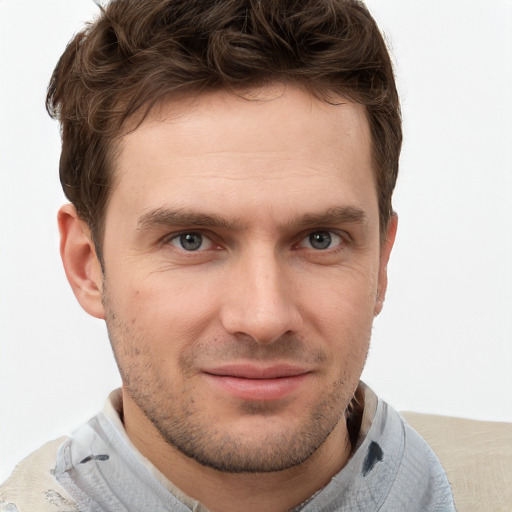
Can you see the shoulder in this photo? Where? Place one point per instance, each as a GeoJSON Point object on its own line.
{"type": "Point", "coordinates": [476, 455]}
{"type": "Point", "coordinates": [421, 477]}
{"type": "Point", "coordinates": [391, 469]}
{"type": "Point", "coordinates": [415, 479]}
{"type": "Point", "coordinates": [32, 486]}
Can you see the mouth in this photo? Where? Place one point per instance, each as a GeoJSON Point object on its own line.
{"type": "Point", "coordinates": [250, 382]}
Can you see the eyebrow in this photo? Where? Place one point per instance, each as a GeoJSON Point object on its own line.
{"type": "Point", "coordinates": [182, 217]}
{"type": "Point", "coordinates": [336, 215]}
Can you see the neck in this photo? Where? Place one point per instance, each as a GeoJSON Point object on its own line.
{"type": "Point", "coordinates": [224, 492]}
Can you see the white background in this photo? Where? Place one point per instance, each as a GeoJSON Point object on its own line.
{"type": "Point", "coordinates": [444, 341]}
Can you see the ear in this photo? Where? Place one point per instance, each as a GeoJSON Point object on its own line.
{"type": "Point", "coordinates": [385, 252]}
{"type": "Point", "coordinates": [81, 264]}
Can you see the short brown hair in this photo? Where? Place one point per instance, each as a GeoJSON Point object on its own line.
{"type": "Point", "coordinates": [138, 53]}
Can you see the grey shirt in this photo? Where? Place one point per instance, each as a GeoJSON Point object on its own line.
{"type": "Point", "coordinates": [391, 469]}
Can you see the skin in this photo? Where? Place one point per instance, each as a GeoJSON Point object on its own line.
{"type": "Point", "coordinates": [239, 358]}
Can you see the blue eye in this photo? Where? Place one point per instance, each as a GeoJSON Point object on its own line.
{"type": "Point", "coordinates": [321, 240]}
{"type": "Point", "coordinates": [191, 241]}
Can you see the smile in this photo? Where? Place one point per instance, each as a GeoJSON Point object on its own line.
{"type": "Point", "coordinates": [249, 382]}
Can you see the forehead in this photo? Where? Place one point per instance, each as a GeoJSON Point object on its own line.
{"type": "Point", "coordinates": [271, 148]}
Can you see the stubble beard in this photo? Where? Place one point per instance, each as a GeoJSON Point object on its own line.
{"type": "Point", "coordinates": [182, 424]}
{"type": "Point", "coordinates": [187, 430]}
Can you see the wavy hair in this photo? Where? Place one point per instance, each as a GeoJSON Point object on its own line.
{"type": "Point", "coordinates": [138, 53]}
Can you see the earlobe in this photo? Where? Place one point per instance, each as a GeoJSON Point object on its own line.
{"type": "Point", "coordinates": [80, 261]}
{"type": "Point", "coordinates": [385, 253]}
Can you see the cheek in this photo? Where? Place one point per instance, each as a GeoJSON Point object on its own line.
{"type": "Point", "coordinates": [163, 320]}
{"type": "Point", "coordinates": [343, 300]}
{"type": "Point", "coordinates": [340, 315]}
{"type": "Point", "coordinates": [172, 297]}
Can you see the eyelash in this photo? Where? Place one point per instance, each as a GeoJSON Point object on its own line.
{"type": "Point", "coordinates": [333, 236]}
{"type": "Point", "coordinates": [168, 240]}
{"type": "Point", "coordinates": [341, 239]}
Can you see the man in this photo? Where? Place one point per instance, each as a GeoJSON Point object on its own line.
{"type": "Point", "coordinates": [230, 167]}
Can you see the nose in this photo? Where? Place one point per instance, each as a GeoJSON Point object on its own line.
{"type": "Point", "coordinates": [259, 298]}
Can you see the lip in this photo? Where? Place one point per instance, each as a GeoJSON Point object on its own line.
{"type": "Point", "coordinates": [249, 382]}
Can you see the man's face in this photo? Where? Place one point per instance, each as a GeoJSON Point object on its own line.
{"type": "Point", "coordinates": [242, 260]}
